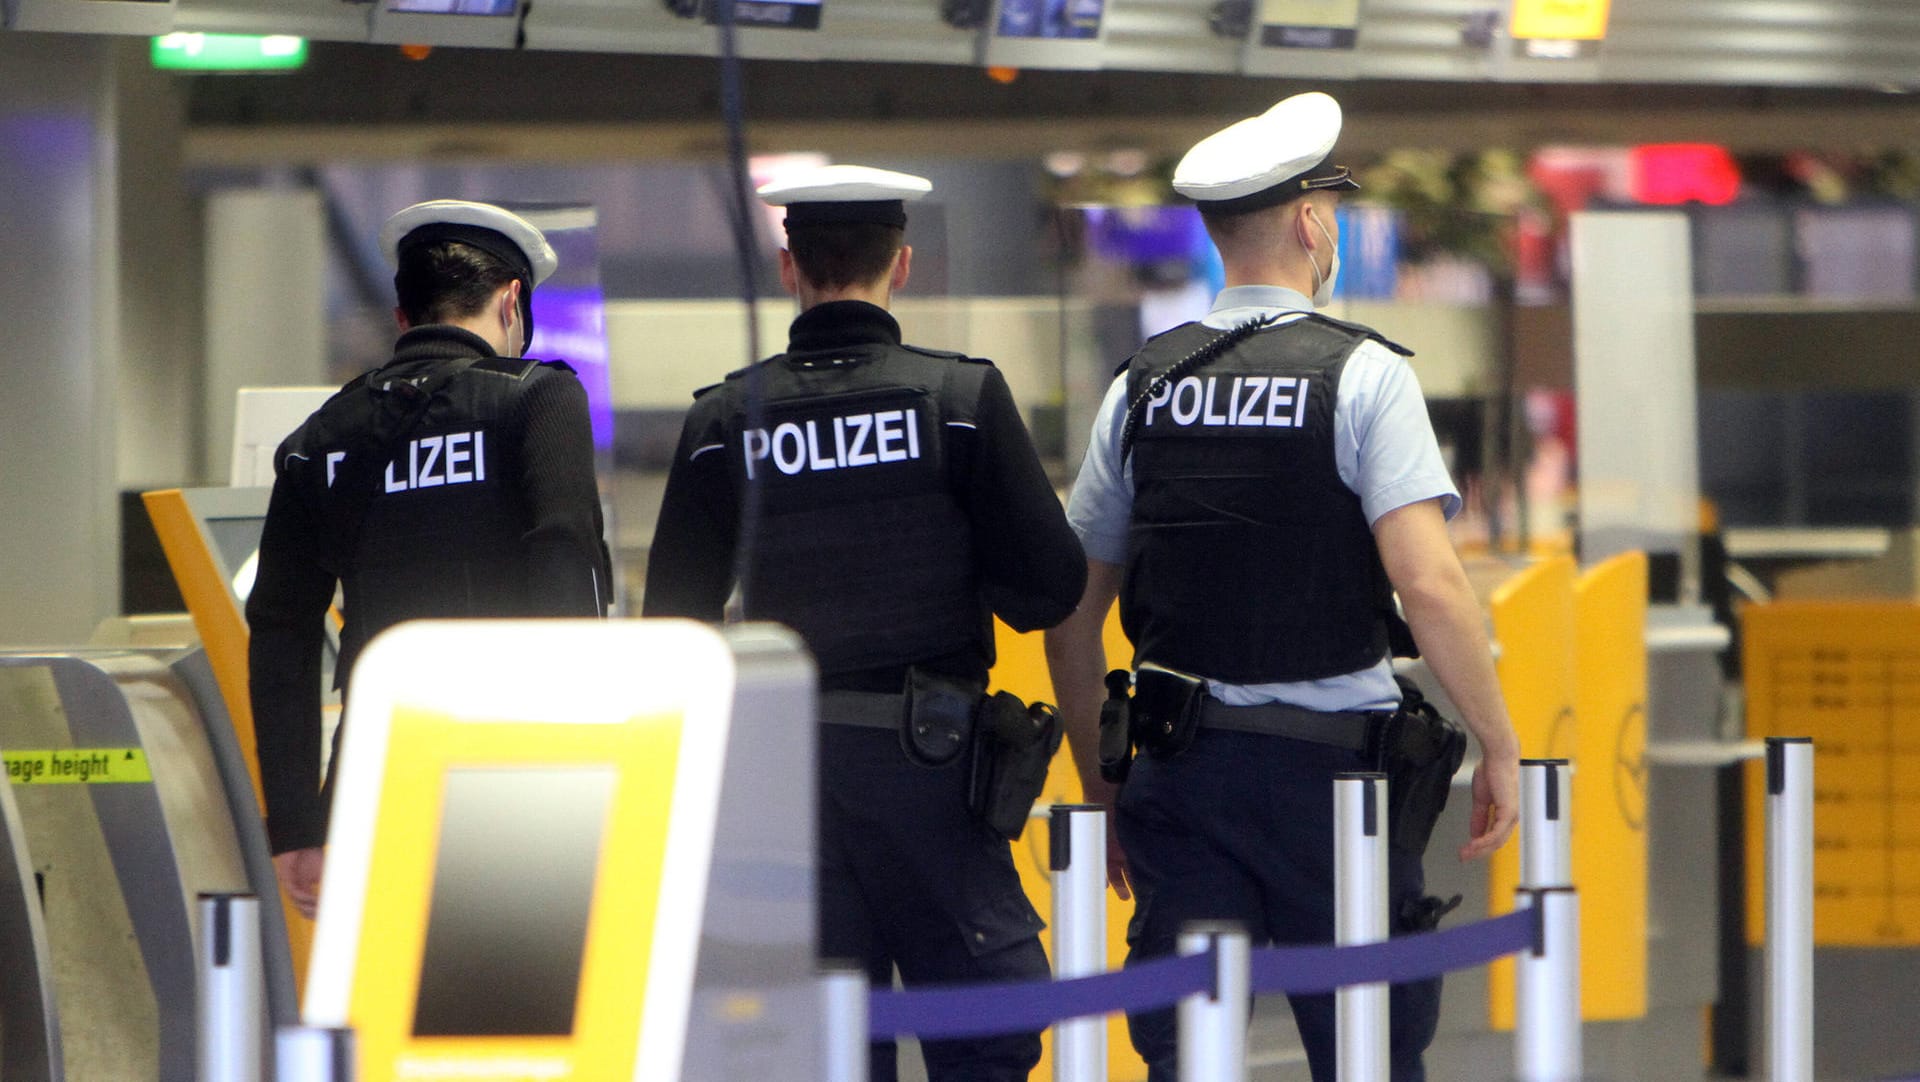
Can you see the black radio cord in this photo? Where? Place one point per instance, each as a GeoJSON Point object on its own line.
{"type": "Point", "coordinates": [740, 206]}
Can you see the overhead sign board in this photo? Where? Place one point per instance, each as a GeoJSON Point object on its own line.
{"type": "Point", "coordinates": [1309, 24]}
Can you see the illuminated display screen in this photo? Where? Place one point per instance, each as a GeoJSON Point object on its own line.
{"type": "Point", "coordinates": [453, 7]}
{"type": "Point", "coordinates": [570, 324]}
{"type": "Point", "coordinates": [789, 14]}
{"type": "Point", "coordinates": [1063, 19]}
{"type": "Point", "coordinates": [513, 883]}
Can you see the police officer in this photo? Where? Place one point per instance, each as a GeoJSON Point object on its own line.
{"type": "Point", "coordinates": [454, 480]}
{"type": "Point", "coordinates": [1258, 485]}
{"type": "Point", "coordinates": [904, 506]}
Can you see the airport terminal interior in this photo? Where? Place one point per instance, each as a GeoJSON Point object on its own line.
{"type": "Point", "coordinates": [1658, 260]}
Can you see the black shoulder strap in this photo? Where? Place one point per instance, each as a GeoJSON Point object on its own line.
{"type": "Point", "coordinates": [1362, 330]}
{"type": "Point", "coordinates": [365, 475]}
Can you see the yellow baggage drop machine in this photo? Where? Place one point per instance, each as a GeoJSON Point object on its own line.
{"type": "Point", "coordinates": [573, 850]}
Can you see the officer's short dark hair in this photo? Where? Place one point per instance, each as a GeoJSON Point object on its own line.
{"type": "Point", "coordinates": [841, 254]}
{"type": "Point", "coordinates": [446, 281]}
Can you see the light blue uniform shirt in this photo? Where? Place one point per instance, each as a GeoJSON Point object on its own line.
{"type": "Point", "coordinates": [1383, 446]}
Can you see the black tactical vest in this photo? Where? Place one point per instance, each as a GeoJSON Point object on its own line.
{"type": "Point", "coordinates": [863, 547]}
{"type": "Point", "coordinates": [413, 469]}
{"type": "Point", "coordinates": [1248, 560]}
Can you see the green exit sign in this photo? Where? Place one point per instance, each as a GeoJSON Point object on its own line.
{"type": "Point", "coordinates": [229, 52]}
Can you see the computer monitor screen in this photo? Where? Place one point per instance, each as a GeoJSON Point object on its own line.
{"type": "Point", "coordinates": [513, 884]}
{"type": "Point", "coordinates": [790, 14]}
{"type": "Point", "coordinates": [453, 7]}
{"type": "Point", "coordinates": [1062, 19]}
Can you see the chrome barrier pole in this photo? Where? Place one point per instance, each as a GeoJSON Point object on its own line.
{"type": "Point", "coordinates": [313, 1054]}
{"type": "Point", "coordinates": [1789, 909]}
{"type": "Point", "coordinates": [1213, 1026]}
{"type": "Point", "coordinates": [231, 996]}
{"type": "Point", "coordinates": [843, 1033]}
{"type": "Point", "coordinates": [1079, 865]}
{"type": "Point", "coordinates": [1360, 916]}
{"type": "Point", "coordinates": [1546, 1032]}
{"type": "Point", "coordinates": [1546, 828]}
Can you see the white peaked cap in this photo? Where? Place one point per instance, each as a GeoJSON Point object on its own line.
{"type": "Point", "coordinates": [460, 215]}
{"type": "Point", "coordinates": [844, 184]}
{"type": "Point", "coordinates": [1284, 147]}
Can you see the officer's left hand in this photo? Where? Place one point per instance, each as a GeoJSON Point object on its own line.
{"type": "Point", "coordinates": [1496, 804]}
{"type": "Point", "coordinates": [1105, 794]}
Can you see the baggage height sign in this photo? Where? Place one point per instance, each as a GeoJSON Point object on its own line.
{"type": "Point", "coordinates": [77, 766]}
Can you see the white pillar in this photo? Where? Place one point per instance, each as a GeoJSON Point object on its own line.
{"type": "Point", "coordinates": [1079, 873]}
{"type": "Point", "coordinates": [1546, 1032]}
{"type": "Point", "coordinates": [1360, 916]}
{"type": "Point", "coordinates": [1546, 823]}
{"type": "Point", "coordinates": [312, 1054]}
{"type": "Point", "coordinates": [1789, 909]}
{"type": "Point", "coordinates": [843, 1008]}
{"type": "Point", "coordinates": [232, 991]}
{"type": "Point", "coordinates": [1213, 1026]}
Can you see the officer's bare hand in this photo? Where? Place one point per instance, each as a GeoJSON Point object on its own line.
{"type": "Point", "coordinates": [299, 871]}
{"type": "Point", "coordinates": [1496, 803]}
{"type": "Point", "coordinates": [1096, 790]}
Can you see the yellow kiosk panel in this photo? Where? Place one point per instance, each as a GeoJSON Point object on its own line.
{"type": "Point", "coordinates": [520, 848]}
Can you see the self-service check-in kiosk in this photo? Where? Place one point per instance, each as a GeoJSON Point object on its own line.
{"type": "Point", "coordinates": [573, 850]}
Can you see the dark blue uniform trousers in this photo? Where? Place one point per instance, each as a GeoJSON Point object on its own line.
{"type": "Point", "coordinates": [1240, 827]}
{"type": "Point", "coordinates": [909, 878]}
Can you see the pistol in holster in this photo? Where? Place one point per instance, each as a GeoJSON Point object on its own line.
{"type": "Point", "coordinates": [1013, 747]}
{"type": "Point", "coordinates": [1419, 750]}
{"type": "Point", "coordinates": [1160, 718]}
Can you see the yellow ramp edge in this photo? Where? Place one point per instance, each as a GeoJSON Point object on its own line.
{"type": "Point", "coordinates": [1021, 668]}
{"type": "Point", "coordinates": [1609, 804]}
{"type": "Point", "coordinates": [223, 632]}
{"type": "Point", "coordinates": [1533, 623]}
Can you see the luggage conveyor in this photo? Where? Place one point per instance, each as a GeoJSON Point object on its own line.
{"type": "Point", "coordinates": [127, 799]}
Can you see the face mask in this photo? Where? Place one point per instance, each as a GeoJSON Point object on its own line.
{"type": "Point", "coordinates": [1323, 287]}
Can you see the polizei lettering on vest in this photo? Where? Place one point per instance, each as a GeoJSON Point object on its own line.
{"type": "Point", "coordinates": [457, 458]}
{"type": "Point", "coordinates": [835, 443]}
{"type": "Point", "coordinates": [1233, 402]}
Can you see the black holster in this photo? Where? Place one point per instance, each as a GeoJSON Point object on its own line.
{"type": "Point", "coordinates": [1166, 709]}
{"type": "Point", "coordinates": [1419, 750]}
{"type": "Point", "coordinates": [1013, 747]}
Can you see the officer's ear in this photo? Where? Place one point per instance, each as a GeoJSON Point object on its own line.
{"type": "Point", "coordinates": [400, 318]}
{"type": "Point", "coordinates": [902, 268]}
{"type": "Point", "coordinates": [789, 274]}
{"type": "Point", "coordinates": [508, 303]}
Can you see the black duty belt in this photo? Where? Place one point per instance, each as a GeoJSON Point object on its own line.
{"type": "Point", "coordinates": [865, 709]}
{"type": "Point", "coordinates": [1348, 730]}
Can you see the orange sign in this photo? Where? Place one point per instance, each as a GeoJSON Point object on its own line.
{"type": "Point", "coordinates": [1560, 20]}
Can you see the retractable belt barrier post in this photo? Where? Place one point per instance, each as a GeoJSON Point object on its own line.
{"type": "Point", "coordinates": [1079, 866]}
{"type": "Point", "coordinates": [313, 1054]}
{"type": "Point", "coordinates": [231, 994]}
{"type": "Point", "coordinates": [843, 1042]}
{"type": "Point", "coordinates": [1789, 909]}
{"type": "Point", "coordinates": [1546, 828]}
{"type": "Point", "coordinates": [1360, 916]}
{"type": "Point", "coordinates": [1213, 1027]}
{"type": "Point", "coordinates": [1546, 1034]}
